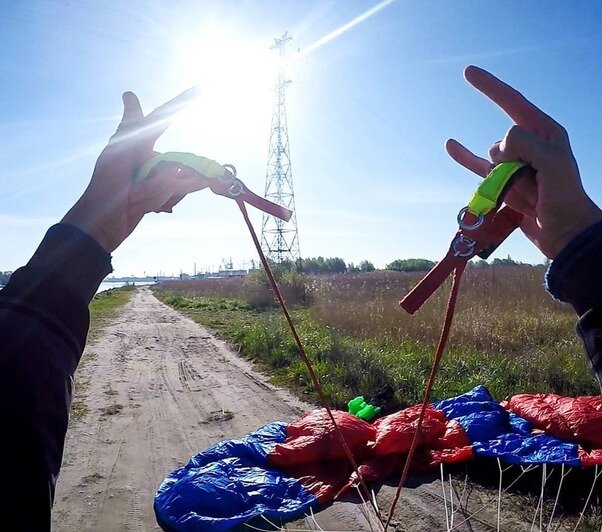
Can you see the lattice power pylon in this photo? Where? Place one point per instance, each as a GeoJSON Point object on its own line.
{"type": "Point", "coordinates": [280, 240]}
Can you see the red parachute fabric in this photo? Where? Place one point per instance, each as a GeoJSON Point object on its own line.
{"type": "Point", "coordinates": [394, 433]}
{"type": "Point", "coordinates": [313, 439]}
{"type": "Point", "coordinates": [459, 429]}
{"type": "Point", "coordinates": [324, 479]}
{"type": "Point", "coordinates": [571, 418]}
{"type": "Point", "coordinates": [314, 453]}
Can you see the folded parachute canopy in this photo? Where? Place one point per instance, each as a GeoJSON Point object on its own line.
{"type": "Point", "coordinates": [280, 471]}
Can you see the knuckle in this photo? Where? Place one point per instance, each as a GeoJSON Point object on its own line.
{"type": "Point", "coordinates": [513, 135]}
{"type": "Point", "coordinates": [561, 132]}
{"type": "Point", "coordinates": [494, 151]}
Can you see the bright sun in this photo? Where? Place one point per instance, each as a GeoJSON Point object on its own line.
{"type": "Point", "coordinates": [235, 78]}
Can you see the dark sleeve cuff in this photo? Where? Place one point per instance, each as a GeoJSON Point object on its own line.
{"type": "Point", "coordinates": [61, 279]}
{"type": "Point", "coordinates": [574, 275]}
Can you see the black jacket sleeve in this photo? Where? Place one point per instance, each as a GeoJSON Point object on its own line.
{"type": "Point", "coordinates": [44, 322]}
{"type": "Point", "coordinates": [575, 277]}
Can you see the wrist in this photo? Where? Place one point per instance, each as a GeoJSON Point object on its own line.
{"type": "Point", "coordinates": [589, 215]}
{"type": "Point", "coordinates": [573, 275]}
{"type": "Point", "coordinates": [83, 216]}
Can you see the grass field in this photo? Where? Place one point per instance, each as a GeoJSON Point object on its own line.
{"type": "Point", "coordinates": [508, 334]}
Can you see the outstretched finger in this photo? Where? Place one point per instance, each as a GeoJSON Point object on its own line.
{"type": "Point", "coordinates": [464, 157]}
{"type": "Point", "coordinates": [160, 119]}
{"type": "Point", "coordinates": [512, 102]}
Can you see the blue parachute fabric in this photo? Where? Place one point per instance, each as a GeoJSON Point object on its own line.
{"type": "Point", "coordinates": [254, 446]}
{"type": "Point", "coordinates": [519, 449]}
{"type": "Point", "coordinates": [496, 433]}
{"type": "Point", "coordinates": [229, 484]}
{"type": "Point", "coordinates": [520, 425]}
{"type": "Point", "coordinates": [479, 415]}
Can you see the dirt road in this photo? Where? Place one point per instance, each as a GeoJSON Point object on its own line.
{"type": "Point", "coordinates": [159, 389]}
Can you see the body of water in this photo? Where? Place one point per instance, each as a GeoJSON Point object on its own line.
{"type": "Point", "coordinates": [107, 286]}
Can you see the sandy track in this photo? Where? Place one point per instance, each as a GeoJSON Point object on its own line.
{"type": "Point", "coordinates": [162, 388]}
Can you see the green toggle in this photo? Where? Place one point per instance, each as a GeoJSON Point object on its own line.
{"type": "Point", "coordinates": [202, 165]}
{"type": "Point", "coordinates": [359, 408]}
{"type": "Point", "coordinates": [487, 196]}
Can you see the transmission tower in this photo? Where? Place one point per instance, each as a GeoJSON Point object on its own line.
{"type": "Point", "coordinates": [280, 242]}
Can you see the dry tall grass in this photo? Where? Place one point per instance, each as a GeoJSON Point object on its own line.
{"type": "Point", "coordinates": [508, 333]}
{"type": "Point", "coordinates": [500, 309]}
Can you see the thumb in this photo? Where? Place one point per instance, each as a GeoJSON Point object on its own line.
{"type": "Point", "coordinates": [132, 111]}
{"type": "Point", "coordinates": [132, 116]}
{"type": "Point", "coordinates": [520, 144]}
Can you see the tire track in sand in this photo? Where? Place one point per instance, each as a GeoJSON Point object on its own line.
{"type": "Point", "coordinates": [157, 384]}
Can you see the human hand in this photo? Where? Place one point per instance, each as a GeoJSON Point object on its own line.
{"type": "Point", "coordinates": [555, 206]}
{"type": "Point", "coordinates": [112, 205]}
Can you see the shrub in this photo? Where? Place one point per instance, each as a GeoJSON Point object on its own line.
{"type": "Point", "coordinates": [410, 265]}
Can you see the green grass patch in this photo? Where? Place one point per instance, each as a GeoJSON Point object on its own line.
{"type": "Point", "coordinates": [351, 365]}
{"type": "Point", "coordinates": [105, 306]}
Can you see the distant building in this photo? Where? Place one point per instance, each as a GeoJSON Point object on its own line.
{"type": "Point", "coordinates": [229, 273]}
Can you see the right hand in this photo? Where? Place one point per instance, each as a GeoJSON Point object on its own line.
{"type": "Point", "coordinates": [555, 206]}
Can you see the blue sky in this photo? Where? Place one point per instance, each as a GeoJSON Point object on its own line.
{"type": "Point", "coordinates": [369, 112]}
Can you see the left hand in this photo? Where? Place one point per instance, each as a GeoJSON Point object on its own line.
{"type": "Point", "coordinates": [554, 205]}
{"type": "Point", "coordinates": [112, 205]}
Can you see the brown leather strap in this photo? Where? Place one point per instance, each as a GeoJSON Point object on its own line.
{"type": "Point", "coordinates": [233, 188]}
{"type": "Point", "coordinates": [266, 206]}
{"type": "Point", "coordinates": [494, 230]}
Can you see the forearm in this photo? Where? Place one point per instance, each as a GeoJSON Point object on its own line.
{"type": "Point", "coordinates": [60, 280]}
{"type": "Point", "coordinates": [575, 277]}
{"type": "Point", "coordinates": [43, 326]}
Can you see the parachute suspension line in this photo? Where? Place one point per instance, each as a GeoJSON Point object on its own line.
{"type": "Point", "coordinates": [524, 471]}
{"type": "Point", "coordinates": [449, 516]}
{"type": "Point", "coordinates": [313, 375]}
{"type": "Point", "coordinates": [449, 315]}
{"type": "Point", "coordinates": [460, 497]}
{"type": "Point", "coordinates": [447, 526]}
{"type": "Point", "coordinates": [499, 496]}
{"type": "Point", "coordinates": [589, 496]}
{"type": "Point", "coordinates": [562, 475]}
{"type": "Point", "coordinates": [539, 509]}
{"type": "Point", "coordinates": [451, 498]}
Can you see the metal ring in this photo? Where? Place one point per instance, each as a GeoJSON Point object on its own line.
{"type": "Point", "coordinates": [469, 227]}
{"type": "Point", "coordinates": [226, 178]}
{"type": "Point", "coordinates": [462, 240]}
{"type": "Point", "coordinates": [236, 188]}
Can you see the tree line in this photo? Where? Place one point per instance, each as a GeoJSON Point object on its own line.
{"type": "Point", "coordinates": [338, 265]}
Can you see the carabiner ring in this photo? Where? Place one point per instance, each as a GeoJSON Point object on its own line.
{"type": "Point", "coordinates": [469, 227]}
{"type": "Point", "coordinates": [226, 177]}
{"type": "Point", "coordinates": [461, 241]}
{"type": "Point", "coordinates": [236, 188]}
